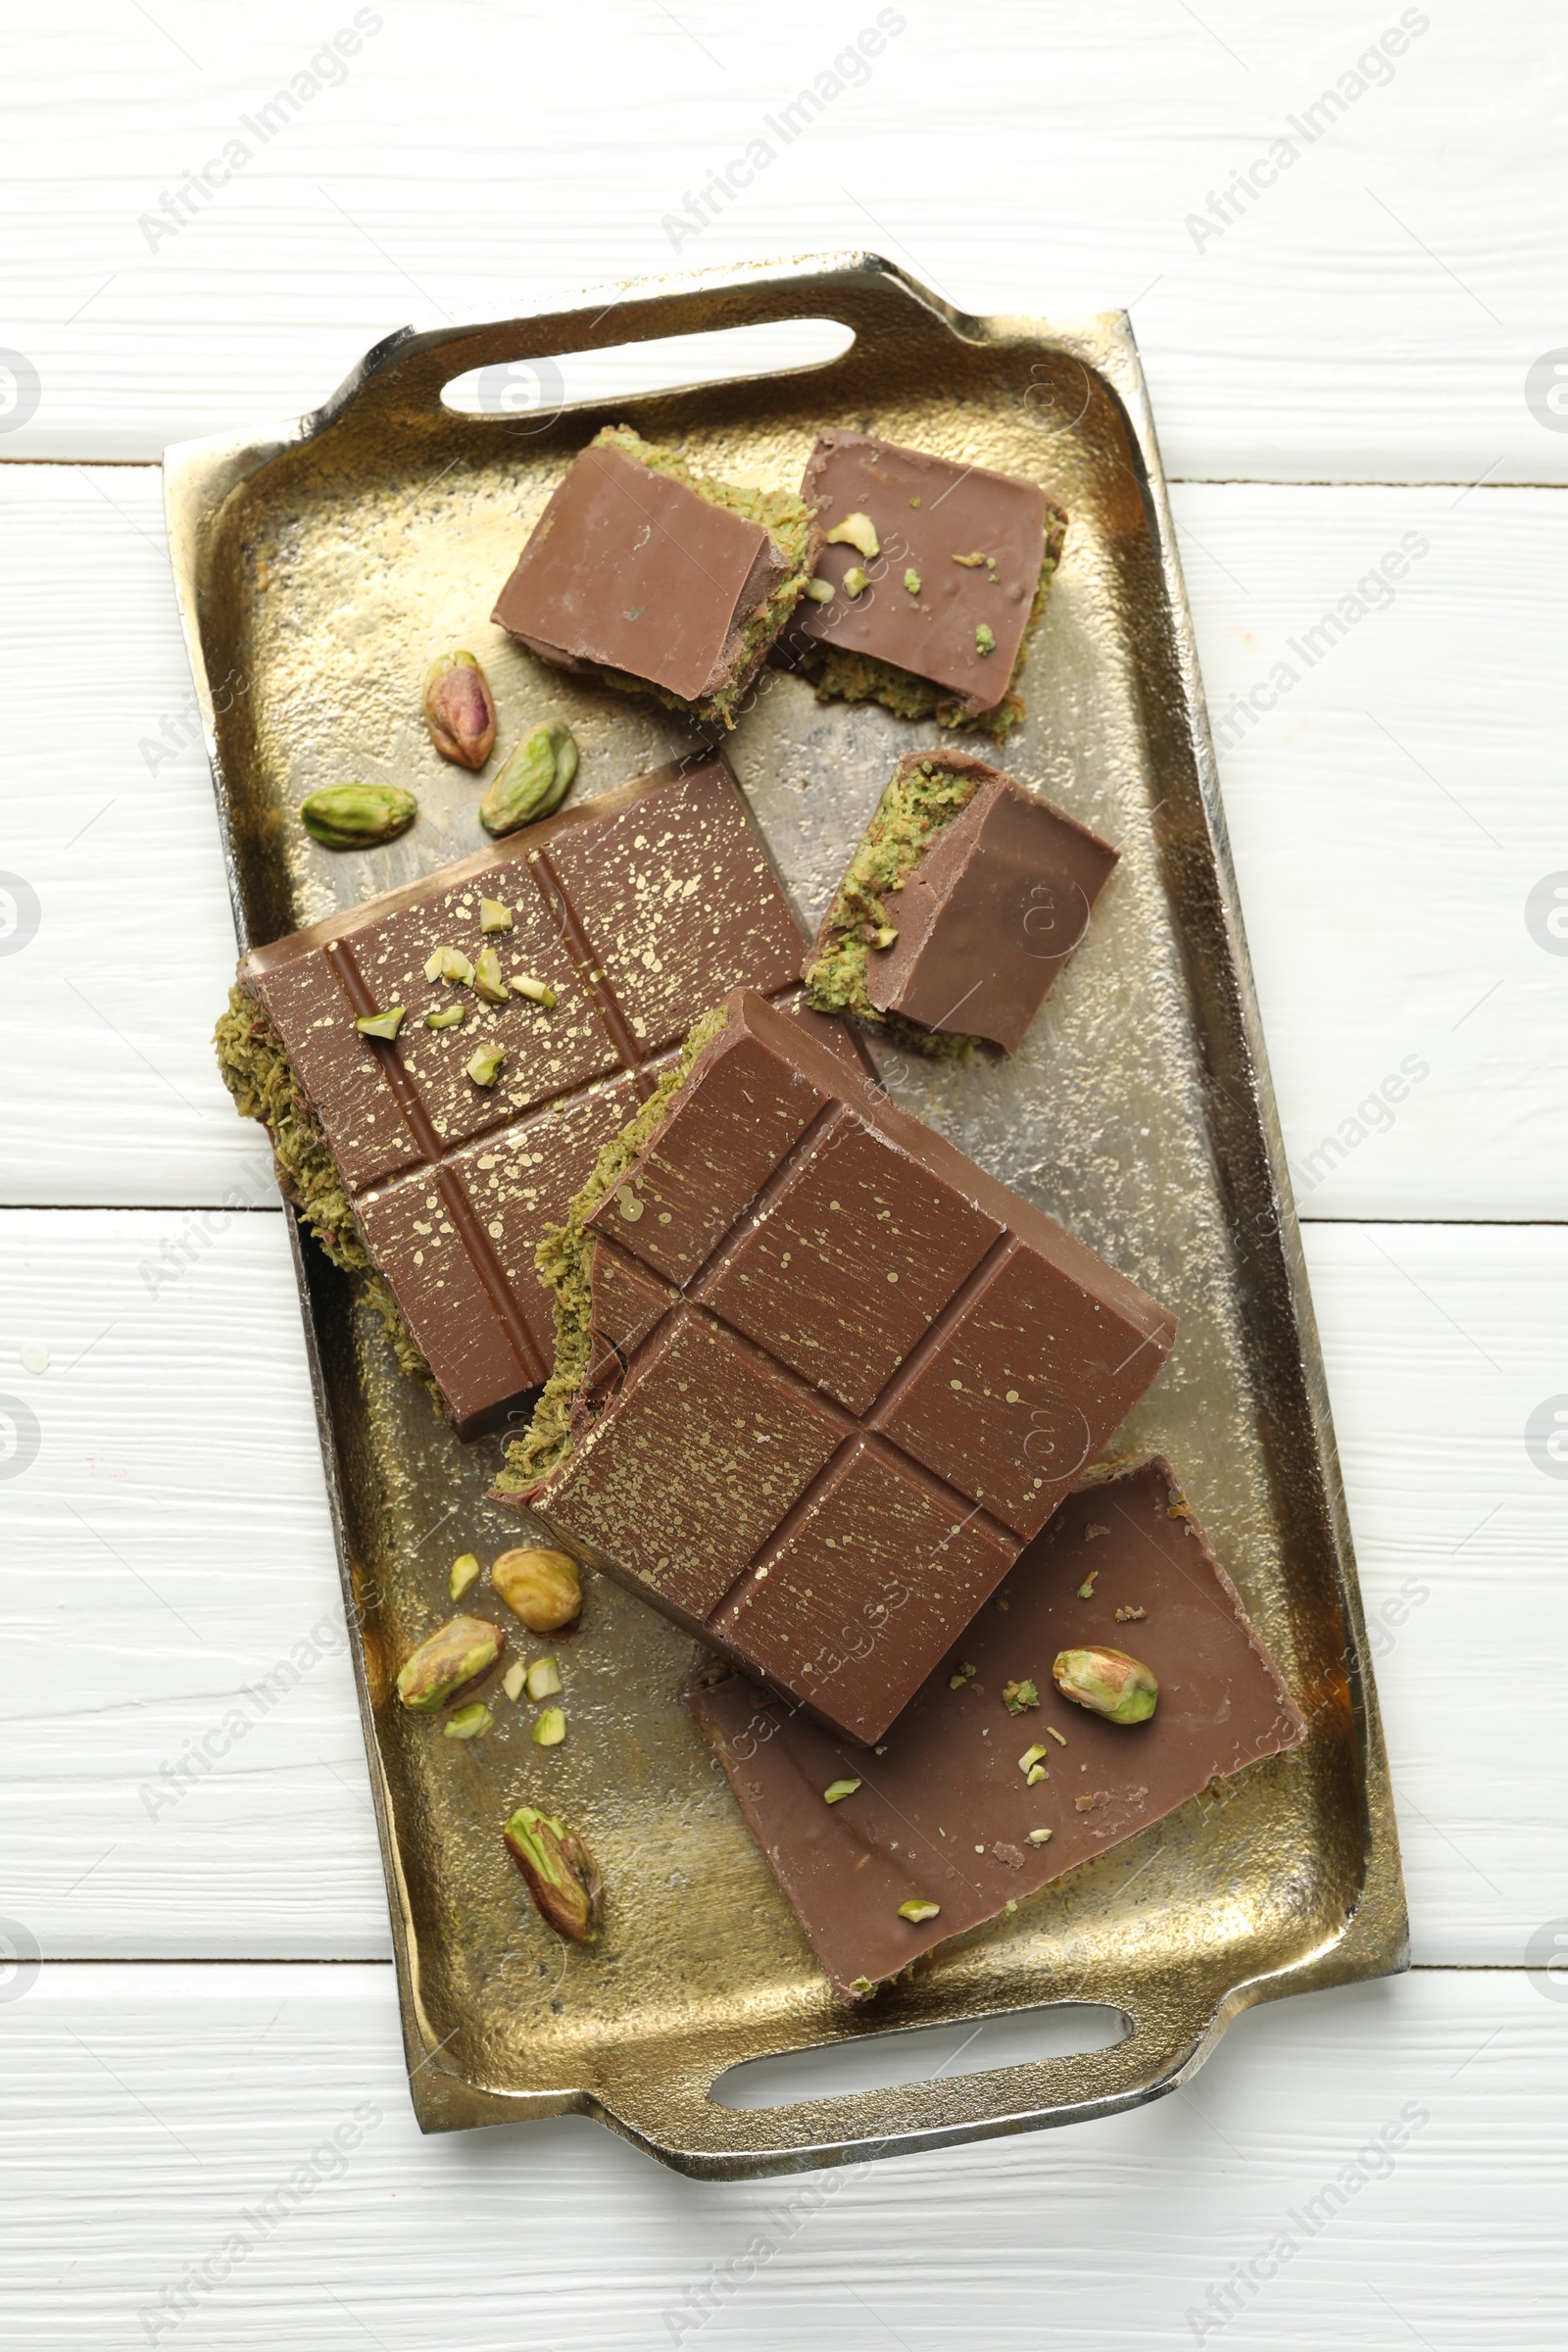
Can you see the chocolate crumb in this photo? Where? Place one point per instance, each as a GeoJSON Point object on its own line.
{"type": "Point", "coordinates": [1086, 1804]}
{"type": "Point", "coordinates": [1092, 1531]}
{"type": "Point", "coordinates": [1012, 1855]}
{"type": "Point", "coordinates": [1130, 1616]}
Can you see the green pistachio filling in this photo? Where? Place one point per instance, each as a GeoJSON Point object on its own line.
{"type": "Point", "coordinates": [254, 1066]}
{"type": "Point", "coordinates": [846, 677]}
{"type": "Point", "coordinates": [788, 522]}
{"type": "Point", "coordinates": [564, 1259]}
{"type": "Point", "coordinates": [922, 797]}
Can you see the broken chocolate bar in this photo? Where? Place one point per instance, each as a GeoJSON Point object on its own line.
{"type": "Point", "coordinates": [973, 1807]}
{"type": "Point", "coordinates": [820, 1376]}
{"type": "Point", "coordinates": [653, 576]}
{"type": "Point", "coordinates": [965, 897]}
{"type": "Point", "coordinates": [423, 1155]}
{"type": "Point", "coordinates": [933, 606]}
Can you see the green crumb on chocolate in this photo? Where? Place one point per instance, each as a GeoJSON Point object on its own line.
{"type": "Point", "coordinates": [790, 524]}
{"type": "Point", "coordinates": [846, 677]}
{"type": "Point", "coordinates": [985, 639]}
{"type": "Point", "coordinates": [912, 581]}
{"type": "Point", "coordinates": [253, 1062]}
{"type": "Point", "coordinates": [564, 1259]}
{"type": "Point", "coordinates": [924, 795]}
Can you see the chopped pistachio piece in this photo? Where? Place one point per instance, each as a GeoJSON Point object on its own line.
{"type": "Point", "coordinates": [488, 984]}
{"type": "Point", "coordinates": [912, 581]}
{"type": "Point", "coordinates": [1035, 1774]}
{"type": "Point", "coordinates": [380, 1024]}
{"type": "Point", "coordinates": [984, 639]}
{"type": "Point", "coordinates": [1061, 1738]}
{"type": "Point", "coordinates": [1031, 1756]}
{"type": "Point", "coordinates": [858, 531]}
{"type": "Point", "coordinates": [512, 1681]}
{"type": "Point", "coordinates": [544, 1679]}
{"type": "Point", "coordinates": [1086, 1590]}
{"type": "Point", "coordinates": [1009, 1907]}
{"type": "Point", "coordinates": [917, 1911]}
{"type": "Point", "coordinates": [970, 562]}
{"type": "Point", "coordinates": [965, 1674]}
{"type": "Point", "coordinates": [837, 1791]}
{"type": "Point", "coordinates": [450, 964]}
{"type": "Point", "coordinates": [1016, 1696]}
{"type": "Point", "coordinates": [485, 1067]}
{"type": "Point", "coordinates": [468, 1723]}
{"type": "Point", "coordinates": [883, 936]}
{"type": "Point", "coordinates": [465, 1570]}
{"type": "Point", "coordinates": [860, 1983]}
{"type": "Point", "coordinates": [1041, 1836]}
{"type": "Point", "coordinates": [820, 592]}
{"type": "Point", "coordinates": [451, 1018]}
{"type": "Point", "coordinates": [550, 1729]}
{"type": "Point", "coordinates": [538, 992]}
{"type": "Point", "coordinates": [857, 581]}
{"type": "Point", "coordinates": [493, 916]}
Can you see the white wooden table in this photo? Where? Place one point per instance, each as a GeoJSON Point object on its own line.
{"type": "Point", "coordinates": [1351, 342]}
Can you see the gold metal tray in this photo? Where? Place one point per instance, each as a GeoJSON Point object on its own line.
{"type": "Point", "coordinates": [318, 565]}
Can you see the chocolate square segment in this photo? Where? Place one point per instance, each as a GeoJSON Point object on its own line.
{"type": "Point", "coordinates": [903, 1369]}
{"type": "Point", "coordinates": [971, 542]}
{"type": "Point", "coordinates": [945, 1814]}
{"type": "Point", "coordinates": [637, 909]}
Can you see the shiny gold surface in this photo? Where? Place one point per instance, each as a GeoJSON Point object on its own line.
{"type": "Point", "coordinates": [319, 570]}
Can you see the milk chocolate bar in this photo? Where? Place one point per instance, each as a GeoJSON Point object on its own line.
{"type": "Point", "coordinates": [634, 911]}
{"type": "Point", "coordinates": [963, 565]}
{"type": "Point", "coordinates": [820, 1376]}
{"type": "Point", "coordinates": [970, 1806]}
{"type": "Point", "coordinates": [963, 900]}
{"type": "Point", "coordinates": [647, 574]}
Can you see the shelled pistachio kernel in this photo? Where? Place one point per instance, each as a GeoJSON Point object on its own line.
{"type": "Point", "coordinates": [459, 710]}
{"type": "Point", "coordinates": [915, 1911]}
{"type": "Point", "coordinates": [358, 816]}
{"type": "Point", "coordinates": [512, 1681]}
{"type": "Point", "coordinates": [488, 985]}
{"type": "Point", "coordinates": [551, 1728]}
{"type": "Point", "coordinates": [449, 963]}
{"type": "Point", "coordinates": [540, 1585]}
{"type": "Point", "coordinates": [543, 1678]}
{"type": "Point", "coordinates": [451, 1019]}
{"type": "Point", "coordinates": [1108, 1683]}
{"type": "Point", "coordinates": [820, 592]}
{"type": "Point", "coordinates": [984, 638]}
{"type": "Point", "coordinates": [456, 1653]}
{"type": "Point", "coordinates": [858, 531]}
{"type": "Point", "coordinates": [493, 916]}
{"type": "Point", "coordinates": [468, 1723]}
{"type": "Point", "coordinates": [380, 1024]}
{"type": "Point", "coordinates": [857, 580]}
{"type": "Point", "coordinates": [837, 1791]}
{"type": "Point", "coordinates": [485, 1067]}
{"type": "Point", "coordinates": [464, 1569]}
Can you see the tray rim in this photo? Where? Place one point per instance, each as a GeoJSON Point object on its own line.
{"type": "Point", "coordinates": [200, 477]}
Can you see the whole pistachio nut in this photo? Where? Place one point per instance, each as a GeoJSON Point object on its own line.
{"type": "Point", "coordinates": [459, 710]}
{"type": "Point", "coordinates": [532, 780]}
{"type": "Point", "coordinates": [542, 1587]}
{"type": "Point", "coordinates": [456, 1654]}
{"type": "Point", "coordinates": [1107, 1682]}
{"type": "Point", "coordinates": [562, 1874]}
{"type": "Point", "coordinates": [358, 816]}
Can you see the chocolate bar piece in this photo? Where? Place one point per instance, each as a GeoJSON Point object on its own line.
{"type": "Point", "coordinates": [653, 577]}
{"type": "Point", "coordinates": [965, 896]}
{"type": "Point", "coordinates": [947, 1814]}
{"type": "Point", "coordinates": [963, 565]}
{"type": "Point", "coordinates": [635, 910]}
{"type": "Point", "coordinates": [831, 1377]}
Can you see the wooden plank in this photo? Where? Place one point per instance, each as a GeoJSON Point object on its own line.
{"type": "Point", "coordinates": [1381, 2165]}
{"type": "Point", "coordinates": [1391, 815]}
{"type": "Point", "coordinates": [168, 1546]}
{"type": "Point", "coordinates": [1365, 310]}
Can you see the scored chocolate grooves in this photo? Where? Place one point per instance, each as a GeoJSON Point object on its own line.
{"type": "Point", "coordinates": [862, 1430]}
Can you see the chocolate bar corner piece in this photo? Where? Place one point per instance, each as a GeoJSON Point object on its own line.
{"type": "Point", "coordinates": [637, 910]}
{"type": "Point", "coordinates": [963, 565]}
{"type": "Point", "coordinates": [650, 575]}
{"type": "Point", "coordinates": [839, 1376]}
{"type": "Point", "coordinates": [946, 1813]}
{"type": "Point", "coordinates": [961, 905]}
